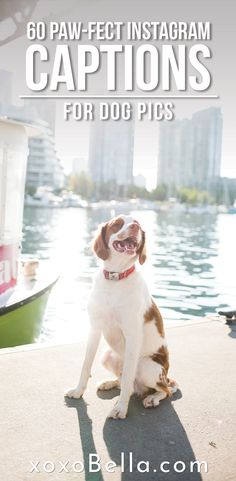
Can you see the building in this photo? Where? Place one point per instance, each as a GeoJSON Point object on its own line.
{"type": "Point", "coordinates": [44, 167]}
{"type": "Point", "coordinates": [190, 150]}
{"type": "Point", "coordinates": [207, 143]}
{"type": "Point", "coordinates": [175, 153]}
{"type": "Point", "coordinates": [111, 153]}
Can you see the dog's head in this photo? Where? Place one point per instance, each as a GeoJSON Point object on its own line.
{"type": "Point", "coordinates": [121, 236]}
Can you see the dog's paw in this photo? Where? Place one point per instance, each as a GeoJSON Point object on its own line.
{"type": "Point", "coordinates": [108, 384]}
{"type": "Point", "coordinates": [119, 411]}
{"type": "Point", "coordinates": [153, 400]}
{"type": "Point", "coordinates": [74, 393]}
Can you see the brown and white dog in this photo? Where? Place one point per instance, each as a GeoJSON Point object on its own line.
{"type": "Point", "coordinates": [121, 307]}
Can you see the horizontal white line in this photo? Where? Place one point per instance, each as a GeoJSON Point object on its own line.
{"type": "Point", "coordinates": [119, 96]}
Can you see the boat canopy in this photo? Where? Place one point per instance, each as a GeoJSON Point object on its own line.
{"type": "Point", "coordinates": [13, 159]}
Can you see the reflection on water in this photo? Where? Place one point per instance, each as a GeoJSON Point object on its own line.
{"type": "Point", "coordinates": [190, 271]}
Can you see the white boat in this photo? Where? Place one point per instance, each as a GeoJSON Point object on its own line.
{"type": "Point", "coordinates": [23, 296]}
{"type": "Point", "coordinates": [73, 200]}
{"type": "Point", "coordinates": [43, 197]}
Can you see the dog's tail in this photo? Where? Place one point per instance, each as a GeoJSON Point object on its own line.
{"type": "Point", "coordinates": [172, 385]}
{"type": "Point", "coordinates": [167, 385]}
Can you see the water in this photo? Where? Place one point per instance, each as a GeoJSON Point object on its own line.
{"type": "Point", "coordinates": [190, 270]}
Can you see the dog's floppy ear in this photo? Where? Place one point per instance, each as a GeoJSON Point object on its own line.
{"type": "Point", "coordinates": [100, 246]}
{"type": "Point", "coordinates": [142, 255]}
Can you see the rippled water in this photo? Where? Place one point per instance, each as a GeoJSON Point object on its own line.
{"type": "Point", "coordinates": [190, 269]}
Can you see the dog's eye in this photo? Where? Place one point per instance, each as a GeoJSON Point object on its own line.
{"type": "Point", "coordinates": [118, 222]}
{"type": "Point", "coordinates": [117, 225]}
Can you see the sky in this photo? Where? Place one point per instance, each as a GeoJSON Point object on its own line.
{"type": "Point", "coordinates": [72, 137]}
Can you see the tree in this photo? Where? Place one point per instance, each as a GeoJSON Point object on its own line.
{"type": "Point", "coordinates": [193, 196]}
{"type": "Point", "coordinates": [134, 192]}
{"type": "Point", "coordinates": [30, 189]}
{"type": "Point", "coordinates": [159, 193]}
{"type": "Point", "coordinates": [81, 184]}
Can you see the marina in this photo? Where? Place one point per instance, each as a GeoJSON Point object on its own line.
{"type": "Point", "coordinates": [117, 241]}
{"type": "Point", "coordinates": [189, 266]}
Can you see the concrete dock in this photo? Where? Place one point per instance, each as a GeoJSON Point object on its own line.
{"type": "Point", "coordinates": [47, 438]}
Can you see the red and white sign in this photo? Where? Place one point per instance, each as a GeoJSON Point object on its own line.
{"type": "Point", "coordinates": [8, 266]}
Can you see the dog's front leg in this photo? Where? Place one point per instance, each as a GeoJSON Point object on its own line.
{"type": "Point", "coordinates": [132, 351]}
{"type": "Point", "coordinates": [91, 350]}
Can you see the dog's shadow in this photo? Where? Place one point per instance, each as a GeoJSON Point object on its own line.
{"type": "Point", "coordinates": [232, 328]}
{"type": "Point", "coordinates": [154, 436]}
{"type": "Point", "coordinates": [86, 435]}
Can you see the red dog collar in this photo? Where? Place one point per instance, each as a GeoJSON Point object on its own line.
{"type": "Point", "coordinates": [117, 276]}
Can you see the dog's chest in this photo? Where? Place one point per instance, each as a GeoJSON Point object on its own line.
{"type": "Point", "coordinates": [115, 302]}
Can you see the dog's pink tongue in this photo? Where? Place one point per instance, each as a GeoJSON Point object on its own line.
{"type": "Point", "coordinates": [125, 246]}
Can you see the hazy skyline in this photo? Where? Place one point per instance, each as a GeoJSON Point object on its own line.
{"type": "Point", "coordinates": [145, 159]}
{"type": "Point", "coordinates": [72, 138]}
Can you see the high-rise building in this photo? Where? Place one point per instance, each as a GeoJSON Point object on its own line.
{"type": "Point", "coordinates": [111, 152]}
{"type": "Point", "coordinates": [175, 153]}
{"type": "Point", "coordinates": [43, 166]}
{"type": "Point", "coordinates": [190, 149]}
{"type": "Point", "coordinates": [207, 143]}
